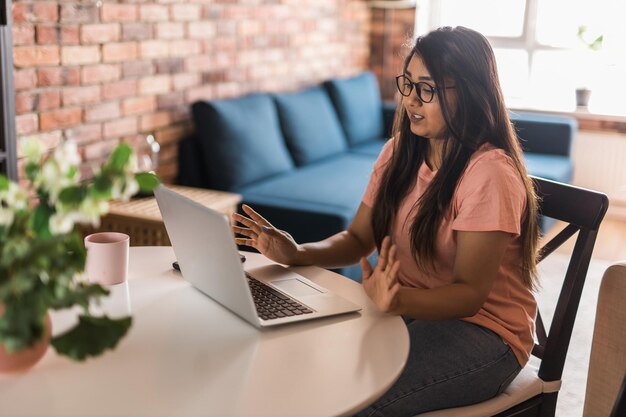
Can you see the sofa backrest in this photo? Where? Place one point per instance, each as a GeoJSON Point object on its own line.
{"type": "Point", "coordinates": [310, 125]}
{"type": "Point", "coordinates": [240, 140]}
{"type": "Point", "coordinates": [544, 133]}
{"type": "Point", "coordinates": [247, 139]}
{"type": "Point", "coordinates": [358, 104]}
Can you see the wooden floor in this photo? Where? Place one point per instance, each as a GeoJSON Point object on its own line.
{"type": "Point", "coordinates": [610, 243]}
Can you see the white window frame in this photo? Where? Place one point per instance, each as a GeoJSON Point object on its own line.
{"type": "Point", "coordinates": [428, 18]}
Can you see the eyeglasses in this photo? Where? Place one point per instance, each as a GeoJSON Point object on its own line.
{"type": "Point", "coordinates": [425, 91]}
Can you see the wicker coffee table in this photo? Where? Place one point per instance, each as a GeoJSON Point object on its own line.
{"type": "Point", "coordinates": [140, 218]}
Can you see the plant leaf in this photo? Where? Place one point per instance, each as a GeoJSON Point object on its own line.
{"type": "Point", "coordinates": [18, 284]}
{"type": "Point", "coordinates": [22, 322]}
{"type": "Point", "coordinates": [40, 219]}
{"type": "Point", "coordinates": [72, 171]}
{"type": "Point", "coordinates": [79, 295]}
{"type": "Point", "coordinates": [119, 157]}
{"type": "Point", "coordinates": [31, 170]}
{"type": "Point", "coordinates": [91, 336]}
{"type": "Point", "coordinates": [596, 45]}
{"type": "Point", "coordinates": [73, 195]}
{"type": "Point", "coordinates": [4, 183]}
{"type": "Point", "coordinates": [147, 181]}
{"type": "Point", "coordinates": [101, 188]}
{"type": "Point", "coordinates": [14, 250]}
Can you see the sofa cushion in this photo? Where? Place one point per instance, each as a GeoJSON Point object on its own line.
{"type": "Point", "coordinates": [310, 125]}
{"type": "Point", "coordinates": [316, 200]}
{"type": "Point", "coordinates": [370, 148]}
{"type": "Point", "coordinates": [552, 167]}
{"type": "Point", "coordinates": [241, 140]}
{"type": "Point", "coordinates": [525, 386]}
{"type": "Point", "coordinates": [359, 106]}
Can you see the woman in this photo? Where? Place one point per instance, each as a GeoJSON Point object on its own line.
{"type": "Point", "coordinates": [452, 211]}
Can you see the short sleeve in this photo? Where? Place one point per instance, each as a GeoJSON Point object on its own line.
{"type": "Point", "coordinates": [490, 196]}
{"type": "Point", "coordinates": [379, 167]}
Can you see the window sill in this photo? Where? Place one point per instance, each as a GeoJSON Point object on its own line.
{"type": "Point", "coordinates": [586, 119]}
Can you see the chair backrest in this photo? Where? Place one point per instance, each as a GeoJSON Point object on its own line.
{"type": "Point", "coordinates": [607, 366]}
{"type": "Point", "coordinates": [583, 210]}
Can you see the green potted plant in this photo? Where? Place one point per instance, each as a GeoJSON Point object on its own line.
{"type": "Point", "coordinates": [42, 253]}
{"type": "Point", "coordinates": [592, 44]}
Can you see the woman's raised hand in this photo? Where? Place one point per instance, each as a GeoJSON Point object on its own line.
{"type": "Point", "coordinates": [381, 283]}
{"type": "Point", "coordinates": [276, 244]}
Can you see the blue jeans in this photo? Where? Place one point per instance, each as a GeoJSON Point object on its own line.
{"type": "Point", "coordinates": [451, 363]}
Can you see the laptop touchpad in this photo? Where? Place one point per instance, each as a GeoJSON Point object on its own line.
{"type": "Point", "coordinates": [295, 287]}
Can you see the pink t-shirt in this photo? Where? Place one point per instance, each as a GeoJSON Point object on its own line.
{"type": "Point", "coordinates": [490, 196]}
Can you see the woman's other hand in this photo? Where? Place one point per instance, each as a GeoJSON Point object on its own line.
{"type": "Point", "coordinates": [381, 283]}
{"type": "Point", "coordinates": [276, 244]}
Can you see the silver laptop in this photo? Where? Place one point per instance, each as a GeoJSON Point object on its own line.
{"type": "Point", "coordinates": [204, 246]}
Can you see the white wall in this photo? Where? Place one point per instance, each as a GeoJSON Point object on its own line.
{"type": "Point", "coordinates": [600, 164]}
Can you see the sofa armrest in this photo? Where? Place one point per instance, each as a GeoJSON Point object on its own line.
{"type": "Point", "coordinates": [389, 111]}
{"type": "Point", "coordinates": [545, 134]}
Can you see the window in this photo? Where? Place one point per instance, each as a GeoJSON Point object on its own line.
{"type": "Point", "coordinates": [541, 57]}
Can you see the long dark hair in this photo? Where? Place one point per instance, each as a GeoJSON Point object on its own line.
{"type": "Point", "coordinates": [462, 57]}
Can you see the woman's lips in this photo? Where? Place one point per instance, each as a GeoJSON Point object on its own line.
{"type": "Point", "coordinates": [415, 117]}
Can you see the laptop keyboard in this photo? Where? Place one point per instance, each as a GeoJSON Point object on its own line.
{"type": "Point", "coordinates": [272, 304]}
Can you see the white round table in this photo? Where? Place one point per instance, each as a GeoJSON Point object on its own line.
{"type": "Point", "coordinates": [185, 355]}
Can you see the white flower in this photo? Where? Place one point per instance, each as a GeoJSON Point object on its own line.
{"type": "Point", "coordinates": [50, 178]}
{"type": "Point", "coordinates": [103, 207]}
{"type": "Point", "coordinates": [32, 149]}
{"type": "Point", "coordinates": [53, 179]}
{"type": "Point", "coordinates": [60, 224]}
{"type": "Point", "coordinates": [50, 172]}
{"type": "Point", "coordinates": [132, 165]}
{"type": "Point", "coordinates": [66, 155]}
{"type": "Point", "coordinates": [116, 190]}
{"type": "Point", "coordinates": [91, 210]}
{"type": "Point", "coordinates": [131, 188]}
{"type": "Point", "coordinates": [6, 217]}
{"type": "Point", "coordinates": [16, 197]}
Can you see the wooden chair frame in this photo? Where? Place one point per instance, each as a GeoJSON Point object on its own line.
{"type": "Point", "coordinates": [583, 210]}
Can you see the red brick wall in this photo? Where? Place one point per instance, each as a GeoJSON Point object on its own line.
{"type": "Point", "coordinates": [391, 40]}
{"type": "Point", "coordinates": [125, 70]}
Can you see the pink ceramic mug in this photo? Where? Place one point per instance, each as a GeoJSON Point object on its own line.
{"type": "Point", "coordinates": [107, 257]}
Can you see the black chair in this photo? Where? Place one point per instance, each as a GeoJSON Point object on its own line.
{"type": "Point", "coordinates": [534, 392]}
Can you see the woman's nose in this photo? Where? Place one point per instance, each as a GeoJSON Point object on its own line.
{"type": "Point", "coordinates": [414, 99]}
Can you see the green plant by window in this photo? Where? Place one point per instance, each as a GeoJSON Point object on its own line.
{"type": "Point", "coordinates": [594, 44]}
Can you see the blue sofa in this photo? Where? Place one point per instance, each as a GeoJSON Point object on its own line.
{"type": "Point", "coordinates": [303, 159]}
{"type": "Point", "coordinates": [547, 143]}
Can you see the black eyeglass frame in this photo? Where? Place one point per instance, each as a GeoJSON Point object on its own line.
{"type": "Point", "coordinates": [417, 87]}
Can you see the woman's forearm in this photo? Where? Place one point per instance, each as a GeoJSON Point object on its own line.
{"type": "Point", "coordinates": [451, 301]}
{"type": "Point", "coordinates": [341, 249]}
